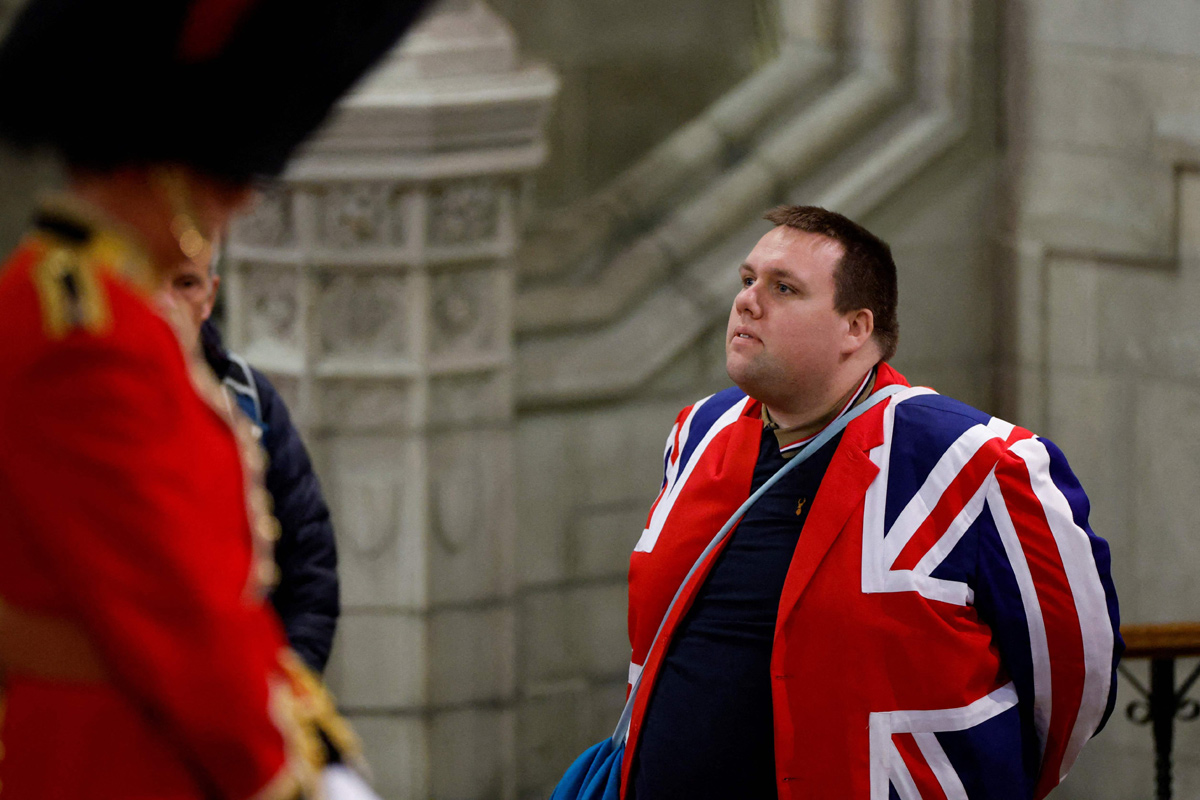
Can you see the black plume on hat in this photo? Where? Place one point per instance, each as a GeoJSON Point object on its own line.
{"type": "Point", "coordinates": [229, 87]}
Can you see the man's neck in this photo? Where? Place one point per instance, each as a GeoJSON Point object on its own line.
{"type": "Point", "coordinates": [806, 422]}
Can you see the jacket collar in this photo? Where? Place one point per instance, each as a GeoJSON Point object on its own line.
{"type": "Point", "coordinates": [842, 491]}
{"type": "Point", "coordinates": [214, 350]}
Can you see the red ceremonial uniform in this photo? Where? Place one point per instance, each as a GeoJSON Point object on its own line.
{"type": "Point", "coordinates": [140, 659]}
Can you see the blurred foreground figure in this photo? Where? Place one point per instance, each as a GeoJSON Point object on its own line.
{"type": "Point", "coordinates": [139, 657]}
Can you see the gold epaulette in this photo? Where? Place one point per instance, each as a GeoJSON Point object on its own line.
{"type": "Point", "coordinates": [70, 291]}
{"type": "Point", "coordinates": [69, 280]}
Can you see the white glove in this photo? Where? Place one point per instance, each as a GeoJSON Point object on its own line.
{"type": "Point", "coordinates": [341, 783]}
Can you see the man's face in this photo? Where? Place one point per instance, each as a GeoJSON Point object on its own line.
{"type": "Point", "coordinates": [187, 296]}
{"type": "Point", "coordinates": [784, 338]}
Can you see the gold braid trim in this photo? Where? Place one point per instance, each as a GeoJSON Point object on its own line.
{"type": "Point", "coordinates": [300, 776]}
{"type": "Point", "coordinates": [321, 712]}
{"type": "Point", "coordinates": [303, 710]}
{"type": "Point", "coordinates": [264, 527]}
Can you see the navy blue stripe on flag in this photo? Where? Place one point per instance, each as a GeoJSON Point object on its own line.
{"type": "Point", "coordinates": [922, 433]}
{"type": "Point", "coordinates": [998, 601]}
{"type": "Point", "coordinates": [959, 565]}
{"type": "Point", "coordinates": [989, 759]}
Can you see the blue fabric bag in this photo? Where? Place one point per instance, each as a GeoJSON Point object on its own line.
{"type": "Point", "coordinates": [596, 775]}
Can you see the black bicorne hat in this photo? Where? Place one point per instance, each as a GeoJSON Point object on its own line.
{"type": "Point", "coordinates": [229, 87]}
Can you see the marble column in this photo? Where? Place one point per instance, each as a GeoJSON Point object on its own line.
{"type": "Point", "coordinates": [374, 285]}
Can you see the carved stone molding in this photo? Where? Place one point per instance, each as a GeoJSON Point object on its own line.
{"type": "Point", "coordinates": [271, 297]}
{"type": "Point", "coordinates": [464, 212]}
{"type": "Point", "coordinates": [270, 222]}
{"type": "Point", "coordinates": [378, 514]}
{"type": "Point", "coordinates": [458, 399]}
{"type": "Point", "coordinates": [376, 282]}
{"type": "Point", "coordinates": [364, 315]}
{"type": "Point", "coordinates": [367, 406]}
{"type": "Point", "coordinates": [465, 316]}
{"type": "Point", "coordinates": [457, 502]}
{"type": "Point", "coordinates": [359, 215]}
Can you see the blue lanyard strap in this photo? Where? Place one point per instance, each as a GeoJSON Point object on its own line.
{"type": "Point", "coordinates": [833, 429]}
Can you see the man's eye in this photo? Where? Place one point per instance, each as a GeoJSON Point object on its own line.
{"type": "Point", "coordinates": [746, 281]}
{"type": "Point", "coordinates": [783, 288]}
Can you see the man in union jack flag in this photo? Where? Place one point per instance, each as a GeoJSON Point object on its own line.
{"type": "Point", "coordinates": [918, 611]}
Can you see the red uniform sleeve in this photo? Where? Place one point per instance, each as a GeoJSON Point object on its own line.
{"type": "Point", "coordinates": [143, 525]}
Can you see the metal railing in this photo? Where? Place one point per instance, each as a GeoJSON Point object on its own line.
{"type": "Point", "coordinates": [1164, 702]}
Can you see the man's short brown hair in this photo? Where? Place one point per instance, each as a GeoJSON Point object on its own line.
{"type": "Point", "coordinates": [866, 275]}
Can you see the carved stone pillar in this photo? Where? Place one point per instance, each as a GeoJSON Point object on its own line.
{"type": "Point", "coordinates": [374, 286]}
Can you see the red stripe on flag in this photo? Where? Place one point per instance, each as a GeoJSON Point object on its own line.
{"type": "Point", "coordinates": [1063, 635]}
{"type": "Point", "coordinates": [1017, 435]}
{"type": "Point", "coordinates": [927, 783]}
{"type": "Point", "coordinates": [960, 491]}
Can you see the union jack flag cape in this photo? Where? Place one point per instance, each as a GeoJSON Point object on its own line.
{"type": "Point", "coordinates": [948, 628]}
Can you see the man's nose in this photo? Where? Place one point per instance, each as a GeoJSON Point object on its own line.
{"type": "Point", "coordinates": [746, 301]}
{"type": "Point", "coordinates": [164, 299]}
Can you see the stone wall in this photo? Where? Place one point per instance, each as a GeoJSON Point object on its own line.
{"type": "Point", "coordinates": [632, 73]}
{"type": "Point", "coordinates": [22, 176]}
{"type": "Point", "coordinates": [1102, 349]}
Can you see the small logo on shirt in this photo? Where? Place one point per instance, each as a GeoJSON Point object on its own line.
{"type": "Point", "coordinates": [800, 506]}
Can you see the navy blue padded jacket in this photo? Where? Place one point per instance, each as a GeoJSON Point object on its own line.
{"type": "Point", "coordinates": [307, 596]}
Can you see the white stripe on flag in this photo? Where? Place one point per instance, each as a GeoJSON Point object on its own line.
{"type": "Point", "coordinates": [875, 503]}
{"type": "Point", "coordinates": [634, 671]}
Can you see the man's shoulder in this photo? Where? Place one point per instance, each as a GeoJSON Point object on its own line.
{"type": "Point", "coordinates": [257, 397]}
{"type": "Point", "coordinates": [921, 419]}
{"type": "Point", "coordinates": [724, 399]}
{"type": "Point", "coordinates": [707, 411]}
{"type": "Point", "coordinates": [52, 292]}
{"type": "Point", "coordinates": [927, 407]}
{"type": "Point", "coordinates": [272, 400]}
{"type": "Point", "coordinates": [64, 312]}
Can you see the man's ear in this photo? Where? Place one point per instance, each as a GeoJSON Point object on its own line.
{"type": "Point", "coordinates": [860, 326]}
{"type": "Point", "coordinates": [212, 296]}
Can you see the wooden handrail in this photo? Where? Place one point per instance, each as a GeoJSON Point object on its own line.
{"type": "Point", "coordinates": [1166, 640]}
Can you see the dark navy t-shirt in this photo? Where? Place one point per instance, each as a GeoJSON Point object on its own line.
{"type": "Point", "coordinates": [709, 729]}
